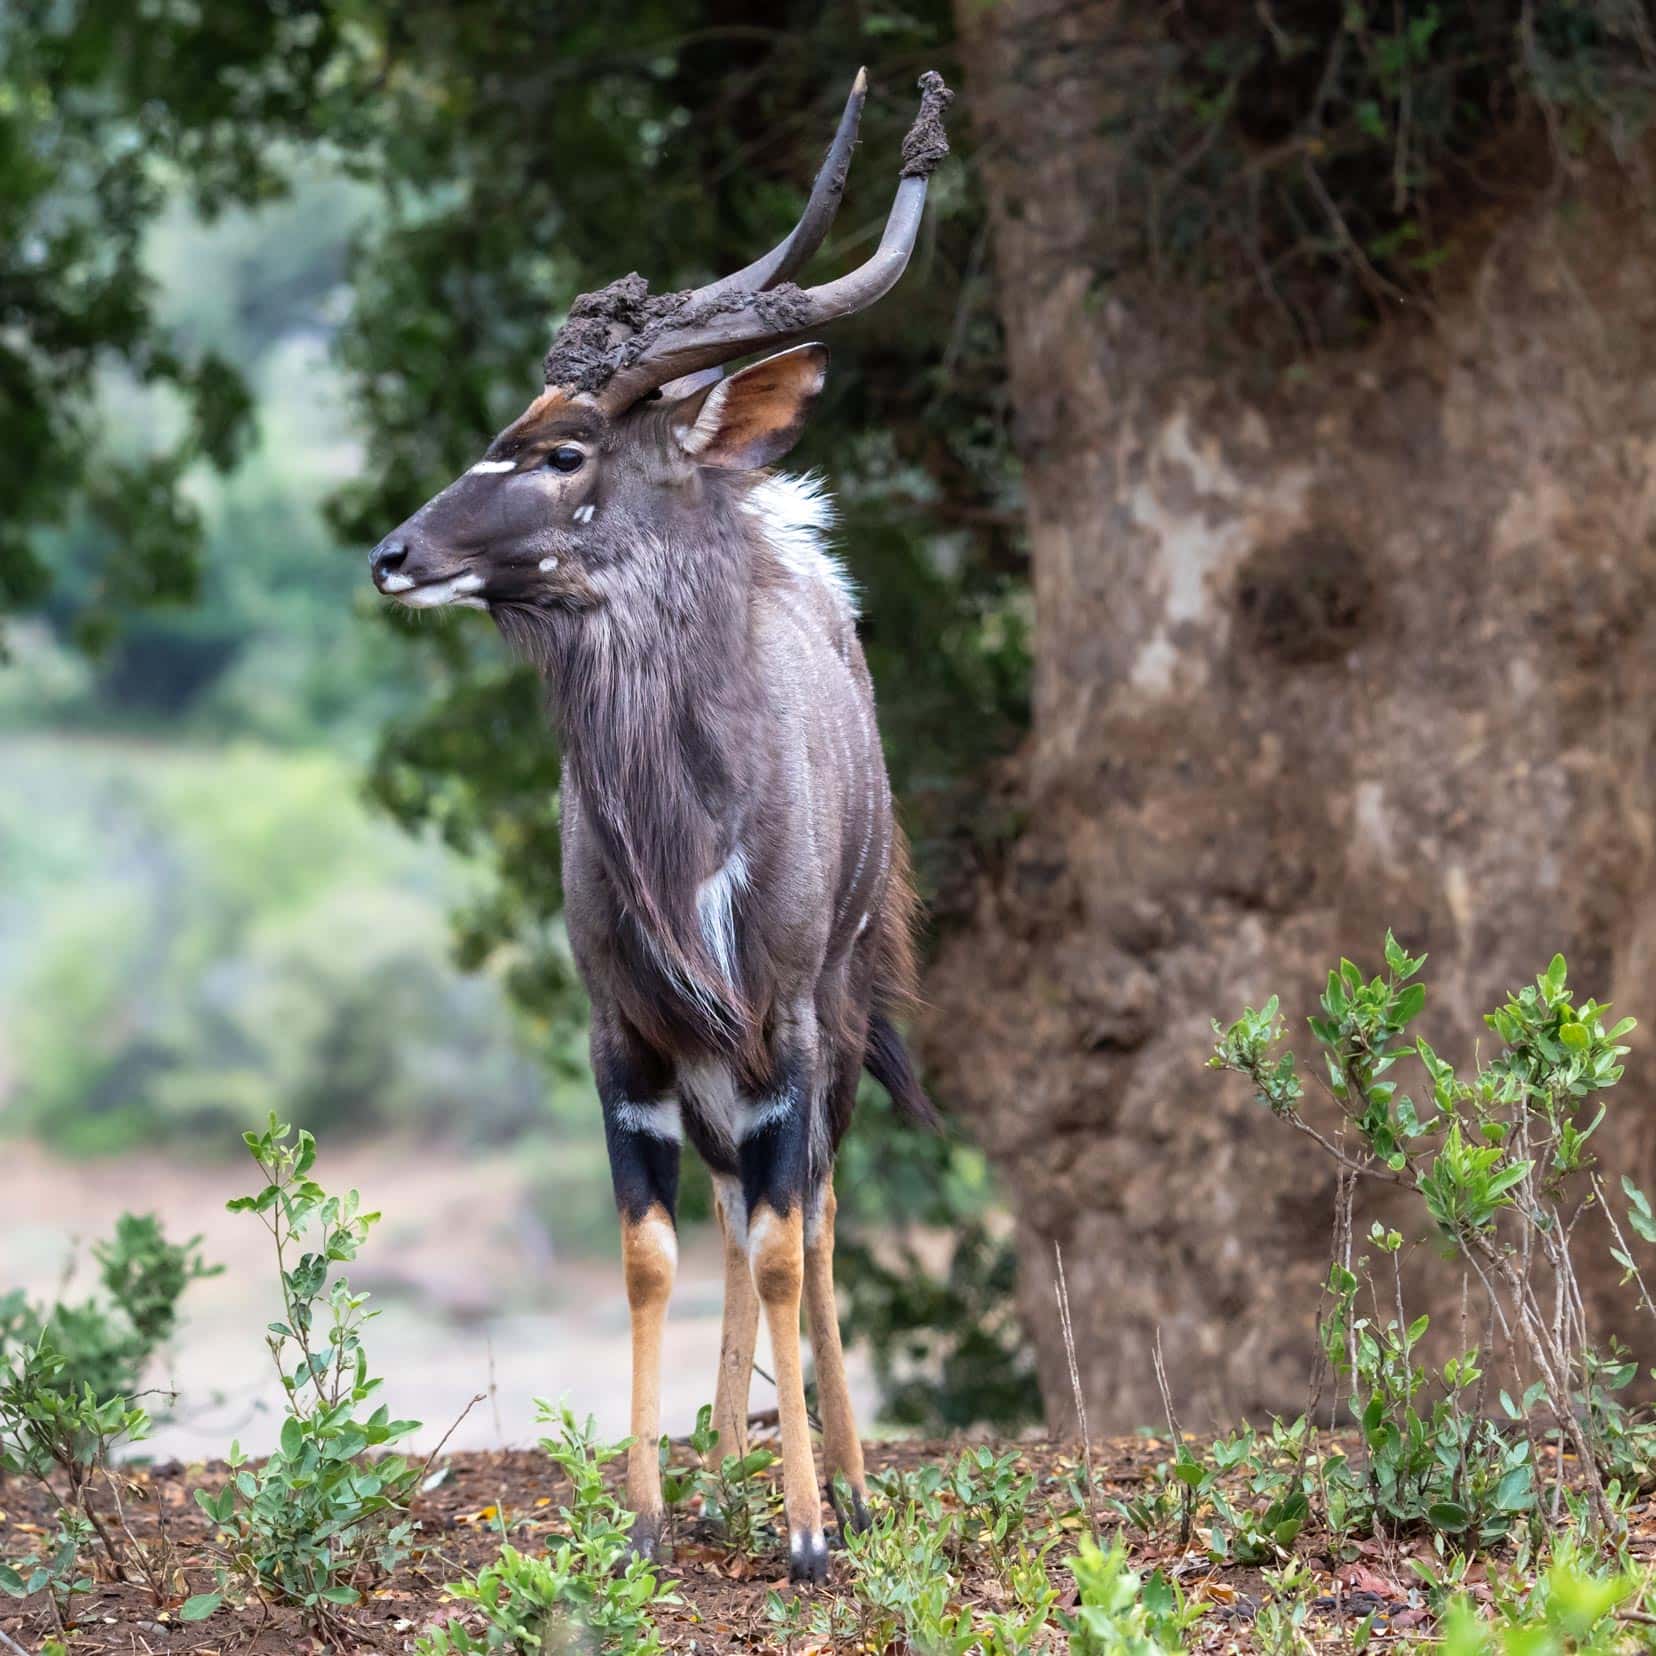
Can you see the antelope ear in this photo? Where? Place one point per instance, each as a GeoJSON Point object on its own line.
{"type": "Point", "coordinates": [753, 418]}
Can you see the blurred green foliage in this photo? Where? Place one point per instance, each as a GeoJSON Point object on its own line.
{"type": "Point", "coordinates": [105, 108]}
{"type": "Point", "coordinates": [229, 931]}
{"type": "Point", "coordinates": [105, 1344]}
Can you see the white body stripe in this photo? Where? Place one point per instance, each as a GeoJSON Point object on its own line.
{"type": "Point", "coordinates": [755, 1118]}
{"type": "Point", "coordinates": [662, 1120]}
{"type": "Point", "coordinates": [716, 909]}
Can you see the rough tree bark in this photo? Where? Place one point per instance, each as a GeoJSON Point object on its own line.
{"type": "Point", "coordinates": [1373, 647]}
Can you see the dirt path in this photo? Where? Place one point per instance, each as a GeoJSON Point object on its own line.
{"type": "Point", "coordinates": [472, 1294]}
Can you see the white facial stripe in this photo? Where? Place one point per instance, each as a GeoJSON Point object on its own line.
{"type": "Point", "coordinates": [583, 514]}
{"type": "Point", "coordinates": [662, 1120]}
{"type": "Point", "coordinates": [485, 466]}
{"type": "Point", "coordinates": [396, 583]}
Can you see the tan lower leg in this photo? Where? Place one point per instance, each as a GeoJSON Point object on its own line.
{"type": "Point", "coordinates": [736, 1339]}
{"type": "Point", "coordinates": [841, 1447]}
{"type": "Point", "coordinates": [649, 1255]}
{"type": "Point", "coordinates": [776, 1247]}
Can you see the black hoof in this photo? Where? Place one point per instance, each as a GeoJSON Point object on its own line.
{"type": "Point", "coordinates": [856, 1520]}
{"type": "Point", "coordinates": [646, 1536]}
{"type": "Point", "coordinates": [808, 1558]}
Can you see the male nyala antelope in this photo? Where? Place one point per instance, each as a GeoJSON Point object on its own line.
{"type": "Point", "coordinates": [736, 888]}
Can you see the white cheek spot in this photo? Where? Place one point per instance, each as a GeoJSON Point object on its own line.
{"type": "Point", "coordinates": [483, 467]}
{"type": "Point", "coordinates": [396, 583]}
{"type": "Point", "coordinates": [547, 565]}
{"type": "Point", "coordinates": [583, 514]}
{"type": "Point", "coordinates": [468, 583]}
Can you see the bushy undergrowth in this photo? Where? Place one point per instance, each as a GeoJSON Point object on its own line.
{"type": "Point", "coordinates": [1496, 1470]}
{"type": "Point", "coordinates": [70, 1374]}
{"type": "Point", "coordinates": [587, 1591]}
{"type": "Point", "coordinates": [1501, 1162]}
{"type": "Point", "coordinates": [106, 1343]}
{"type": "Point", "coordinates": [328, 1510]}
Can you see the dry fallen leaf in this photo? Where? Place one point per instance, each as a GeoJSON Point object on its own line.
{"type": "Point", "coordinates": [1364, 1580]}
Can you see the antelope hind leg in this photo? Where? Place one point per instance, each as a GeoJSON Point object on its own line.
{"type": "Point", "coordinates": [841, 1447]}
{"type": "Point", "coordinates": [777, 1250]}
{"type": "Point", "coordinates": [740, 1329]}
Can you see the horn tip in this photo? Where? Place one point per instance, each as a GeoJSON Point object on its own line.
{"type": "Point", "coordinates": [860, 85]}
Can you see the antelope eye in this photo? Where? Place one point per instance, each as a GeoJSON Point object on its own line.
{"type": "Point", "coordinates": [566, 458]}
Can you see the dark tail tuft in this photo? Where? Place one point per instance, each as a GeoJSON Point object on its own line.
{"type": "Point", "coordinates": [888, 1061]}
{"type": "Point", "coordinates": [886, 1057]}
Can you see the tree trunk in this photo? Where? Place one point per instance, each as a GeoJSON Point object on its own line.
{"type": "Point", "coordinates": [1370, 648]}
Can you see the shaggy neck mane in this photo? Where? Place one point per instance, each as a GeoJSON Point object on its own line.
{"type": "Point", "coordinates": [656, 699]}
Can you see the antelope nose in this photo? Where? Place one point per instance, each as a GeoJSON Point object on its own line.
{"type": "Point", "coordinates": [387, 558]}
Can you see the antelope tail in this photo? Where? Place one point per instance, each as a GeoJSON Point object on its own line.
{"type": "Point", "coordinates": [888, 1061]}
{"type": "Point", "coordinates": [886, 1057]}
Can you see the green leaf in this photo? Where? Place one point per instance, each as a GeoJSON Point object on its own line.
{"type": "Point", "coordinates": [200, 1606]}
{"type": "Point", "coordinates": [11, 1582]}
{"type": "Point", "coordinates": [339, 1595]}
{"type": "Point", "coordinates": [1639, 1215]}
{"type": "Point", "coordinates": [293, 1438]}
{"type": "Point", "coordinates": [1448, 1515]}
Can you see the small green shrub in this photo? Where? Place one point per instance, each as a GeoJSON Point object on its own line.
{"type": "Point", "coordinates": [1119, 1612]}
{"type": "Point", "coordinates": [63, 1440]}
{"type": "Point", "coordinates": [587, 1592]}
{"type": "Point", "coordinates": [905, 1570]}
{"type": "Point", "coordinates": [106, 1344]}
{"type": "Point", "coordinates": [328, 1509]}
{"type": "Point", "coordinates": [1501, 1160]}
{"type": "Point", "coordinates": [734, 1490]}
{"type": "Point", "coordinates": [1574, 1605]}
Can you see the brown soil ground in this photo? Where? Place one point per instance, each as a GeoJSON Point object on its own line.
{"type": "Point", "coordinates": [724, 1594]}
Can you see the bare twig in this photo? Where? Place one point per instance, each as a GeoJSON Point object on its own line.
{"type": "Point", "coordinates": [1621, 1242]}
{"type": "Point", "coordinates": [810, 1413]}
{"type": "Point", "coordinates": [1068, 1326]}
{"type": "Point", "coordinates": [1187, 1500]}
{"type": "Point", "coordinates": [425, 1466]}
{"type": "Point", "coordinates": [494, 1390]}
